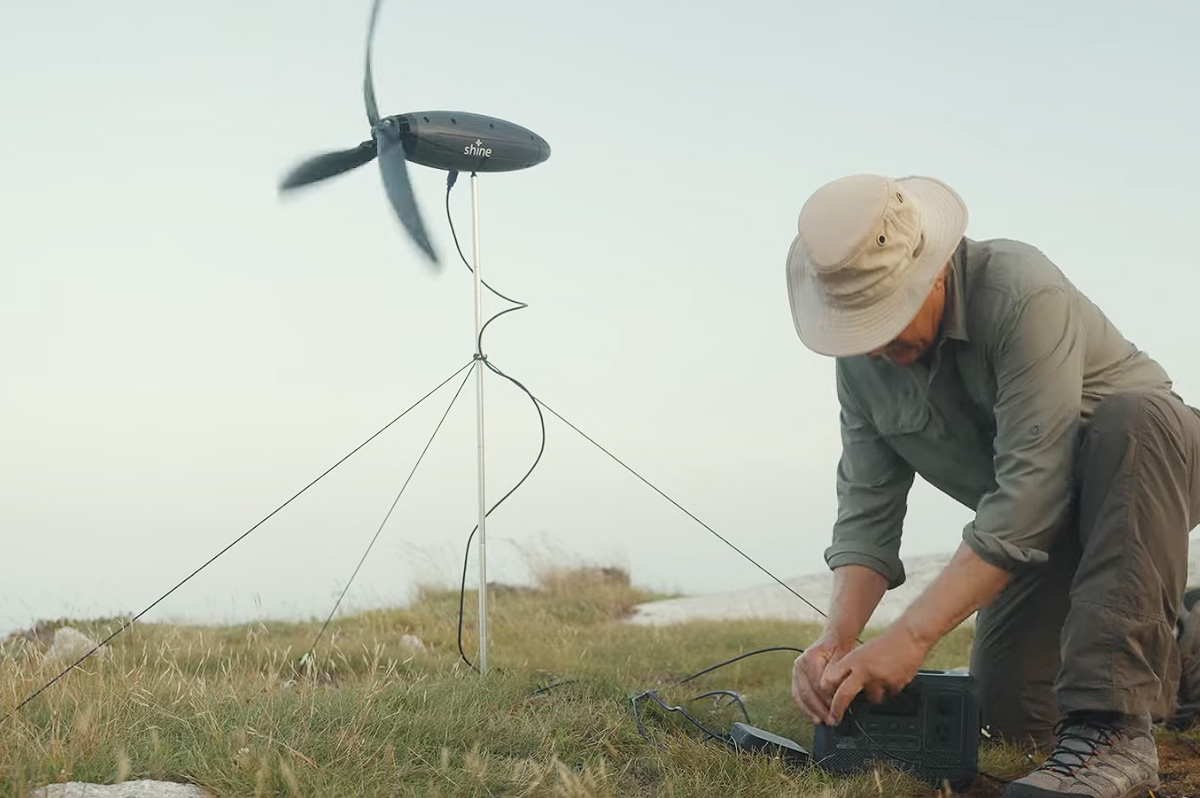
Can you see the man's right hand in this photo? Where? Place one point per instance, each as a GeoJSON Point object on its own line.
{"type": "Point", "coordinates": [857, 591]}
{"type": "Point", "coordinates": [807, 671]}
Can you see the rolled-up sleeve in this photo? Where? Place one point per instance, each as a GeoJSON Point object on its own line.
{"type": "Point", "coordinates": [1039, 362]}
{"type": "Point", "coordinates": [872, 492]}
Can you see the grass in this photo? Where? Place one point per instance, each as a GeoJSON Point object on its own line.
{"type": "Point", "coordinates": [231, 709]}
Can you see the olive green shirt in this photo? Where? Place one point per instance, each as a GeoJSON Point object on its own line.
{"type": "Point", "coordinates": [992, 418]}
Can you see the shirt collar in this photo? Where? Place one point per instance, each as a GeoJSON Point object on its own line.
{"type": "Point", "coordinates": [954, 323]}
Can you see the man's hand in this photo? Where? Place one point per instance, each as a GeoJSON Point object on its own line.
{"type": "Point", "coordinates": [886, 664]}
{"type": "Point", "coordinates": [808, 673]}
{"type": "Point", "coordinates": [881, 668]}
{"type": "Point", "coordinates": [856, 592]}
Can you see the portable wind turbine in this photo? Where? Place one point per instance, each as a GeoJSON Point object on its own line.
{"type": "Point", "coordinates": [453, 142]}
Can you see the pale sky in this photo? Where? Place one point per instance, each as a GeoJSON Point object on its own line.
{"type": "Point", "coordinates": [185, 350]}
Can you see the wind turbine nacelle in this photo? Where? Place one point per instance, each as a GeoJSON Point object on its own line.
{"type": "Point", "coordinates": [463, 142]}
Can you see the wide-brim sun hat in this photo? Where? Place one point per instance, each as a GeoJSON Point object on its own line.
{"type": "Point", "coordinates": [867, 251]}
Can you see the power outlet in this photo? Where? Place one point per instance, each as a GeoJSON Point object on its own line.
{"type": "Point", "coordinates": [931, 730]}
{"type": "Point", "coordinates": [944, 722]}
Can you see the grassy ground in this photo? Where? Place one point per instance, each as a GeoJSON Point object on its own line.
{"type": "Point", "coordinates": [227, 708]}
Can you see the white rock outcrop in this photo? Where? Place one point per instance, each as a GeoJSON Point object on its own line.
{"type": "Point", "coordinates": [772, 601]}
{"type": "Point", "coordinates": [70, 644]}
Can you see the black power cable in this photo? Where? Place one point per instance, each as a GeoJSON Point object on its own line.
{"type": "Point", "coordinates": [237, 540]}
{"type": "Point", "coordinates": [462, 593]}
{"type": "Point", "coordinates": [739, 657]}
{"type": "Point", "coordinates": [734, 697]}
{"type": "Point", "coordinates": [451, 178]}
{"type": "Point", "coordinates": [651, 695]}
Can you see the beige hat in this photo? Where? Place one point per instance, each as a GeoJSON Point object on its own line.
{"type": "Point", "coordinates": [865, 257]}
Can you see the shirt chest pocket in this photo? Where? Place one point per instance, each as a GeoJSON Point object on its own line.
{"type": "Point", "coordinates": [897, 416]}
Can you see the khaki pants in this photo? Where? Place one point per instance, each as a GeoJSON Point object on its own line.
{"type": "Point", "coordinates": [1094, 629]}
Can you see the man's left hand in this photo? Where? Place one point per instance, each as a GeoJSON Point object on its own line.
{"type": "Point", "coordinates": [880, 668]}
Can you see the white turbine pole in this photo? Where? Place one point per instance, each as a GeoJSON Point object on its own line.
{"type": "Point", "coordinates": [479, 369]}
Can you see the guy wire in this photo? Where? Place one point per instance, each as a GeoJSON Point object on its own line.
{"type": "Point", "coordinates": [237, 540]}
{"type": "Point", "coordinates": [308, 657]}
{"type": "Point", "coordinates": [685, 510]}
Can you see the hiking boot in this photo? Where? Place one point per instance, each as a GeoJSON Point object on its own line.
{"type": "Point", "coordinates": [1094, 758]}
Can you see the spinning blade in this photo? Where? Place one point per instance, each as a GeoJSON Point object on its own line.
{"type": "Point", "coordinates": [330, 164]}
{"type": "Point", "coordinates": [387, 145]}
{"type": "Point", "coordinates": [394, 170]}
{"type": "Point", "coordinates": [368, 80]}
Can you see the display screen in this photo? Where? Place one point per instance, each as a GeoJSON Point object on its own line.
{"type": "Point", "coordinates": [906, 704]}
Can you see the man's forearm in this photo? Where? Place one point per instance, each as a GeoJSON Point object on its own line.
{"type": "Point", "coordinates": [857, 591]}
{"type": "Point", "coordinates": [965, 585]}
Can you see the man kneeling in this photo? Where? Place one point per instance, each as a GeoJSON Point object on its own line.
{"type": "Point", "coordinates": [979, 366]}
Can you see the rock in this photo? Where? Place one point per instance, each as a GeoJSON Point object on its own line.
{"type": "Point", "coordinates": [40, 634]}
{"type": "Point", "coordinates": [608, 575]}
{"type": "Point", "coordinates": [71, 644]}
{"type": "Point", "coordinates": [128, 789]}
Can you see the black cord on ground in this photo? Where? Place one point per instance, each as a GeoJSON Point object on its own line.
{"type": "Point", "coordinates": [740, 657]}
{"type": "Point", "coordinates": [237, 540]}
{"type": "Point", "coordinates": [735, 697]}
{"type": "Point", "coordinates": [308, 657]}
{"type": "Point", "coordinates": [545, 688]}
{"type": "Point", "coordinates": [653, 696]}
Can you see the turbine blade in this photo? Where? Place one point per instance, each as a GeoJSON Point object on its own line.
{"type": "Point", "coordinates": [393, 167]}
{"type": "Point", "coordinates": [368, 81]}
{"type": "Point", "coordinates": [327, 165]}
